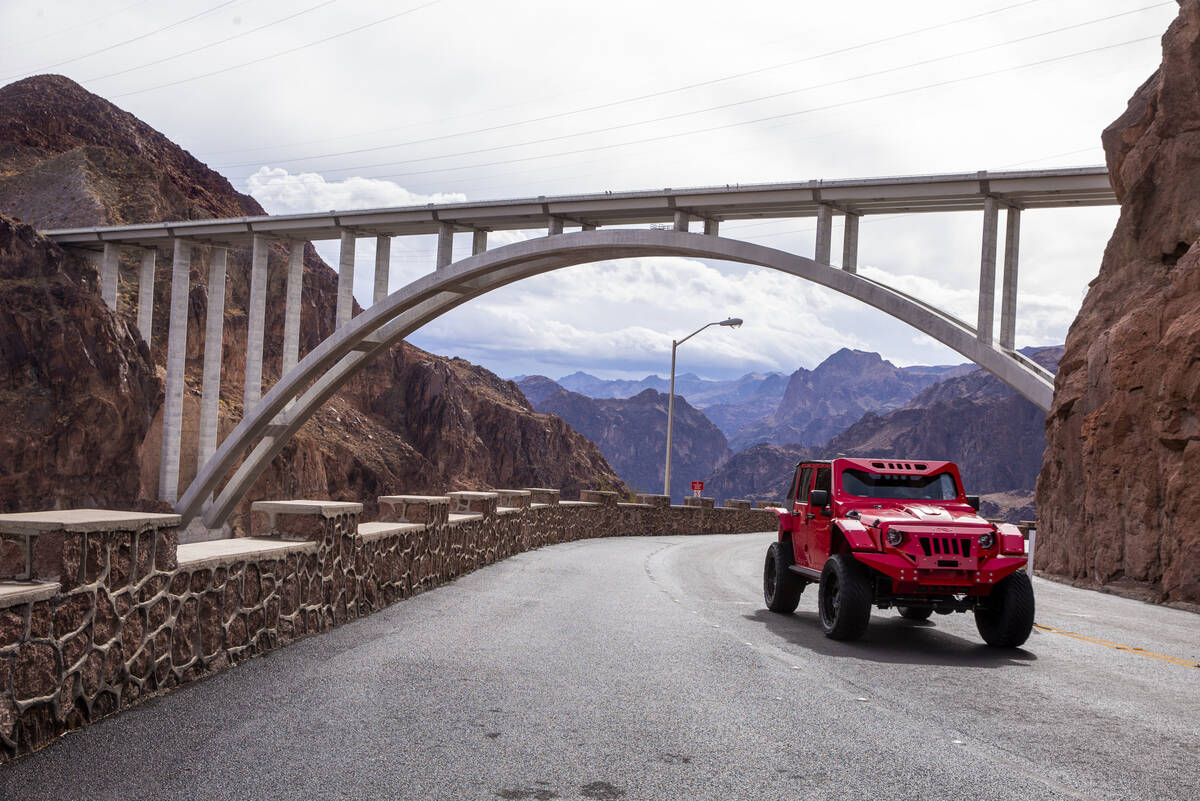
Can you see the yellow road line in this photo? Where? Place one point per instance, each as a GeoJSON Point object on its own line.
{"type": "Point", "coordinates": [1117, 646]}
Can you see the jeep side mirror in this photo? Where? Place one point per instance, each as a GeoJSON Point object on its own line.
{"type": "Point", "coordinates": [818, 498]}
{"type": "Point", "coordinates": [973, 502]}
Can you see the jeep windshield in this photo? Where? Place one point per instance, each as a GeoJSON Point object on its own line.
{"type": "Point", "coordinates": [861, 484]}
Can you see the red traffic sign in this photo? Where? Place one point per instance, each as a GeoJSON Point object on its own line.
{"type": "Point", "coordinates": [697, 486]}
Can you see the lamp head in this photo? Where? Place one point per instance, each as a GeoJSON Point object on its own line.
{"type": "Point", "coordinates": [732, 322]}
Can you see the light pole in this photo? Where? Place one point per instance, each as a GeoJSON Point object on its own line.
{"type": "Point", "coordinates": [732, 322]}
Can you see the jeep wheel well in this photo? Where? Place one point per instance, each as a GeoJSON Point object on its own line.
{"type": "Point", "coordinates": [838, 542]}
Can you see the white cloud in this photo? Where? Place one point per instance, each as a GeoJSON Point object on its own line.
{"type": "Point", "coordinates": [281, 192]}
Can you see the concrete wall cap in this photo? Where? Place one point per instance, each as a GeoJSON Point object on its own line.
{"type": "Point", "coordinates": [369, 532]}
{"type": "Point", "coordinates": [457, 518]}
{"type": "Point", "coordinates": [14, 594]}
{"type": "Point", "coordinates": [214, 553]}
{"type": "Point", "coordinates": [83, 520]}
{"type": "Point", "coordinates": [323, 508]}
{"type": "Point", "coordinates": [473, 495]}
{"type": "Point", "coordinates": [430, 499]}
{"type": "Point", "coordinates": [523, 493]}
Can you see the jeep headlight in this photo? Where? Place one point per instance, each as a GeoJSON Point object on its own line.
{"type": "Point", "coordinates": [894, 537]}
{"type": "Point", "coordinates": [986, 540]}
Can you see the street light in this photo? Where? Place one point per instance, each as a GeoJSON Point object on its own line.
{"type": "Point", "coordinates": [732, 322]}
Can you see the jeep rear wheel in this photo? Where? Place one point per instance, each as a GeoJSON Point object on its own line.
{"type": "Point", "coordinates": [915, 612]}
{"type": "Point", "coordinates": [781, 587]}
{"type": "Point", "coordinates": [845, 598]}
{"type": "Point", "coordinates": [1005, 618]}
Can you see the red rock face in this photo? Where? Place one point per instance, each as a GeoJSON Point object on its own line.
{"type": "Point", "coordinates": [411, 422]}
{"type": "Point", "coordinates": [1120, 482]}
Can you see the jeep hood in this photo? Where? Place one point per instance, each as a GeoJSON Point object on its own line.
{"type": "Point", "coordinates": [902, 512]}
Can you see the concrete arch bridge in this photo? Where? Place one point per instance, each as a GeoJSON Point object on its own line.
{"type": "Point", "coordinates": [226, 471]}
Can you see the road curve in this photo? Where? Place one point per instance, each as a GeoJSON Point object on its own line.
{"type": "Point", "coordinates": [647, 668]}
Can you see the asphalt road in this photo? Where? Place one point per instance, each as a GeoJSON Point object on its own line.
{"type": "Point", "coordinates": [647, 668]}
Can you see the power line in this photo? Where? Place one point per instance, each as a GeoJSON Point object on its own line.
{"type": "Point", "coordinates": [639, 98]}
{"type": "Point", "coordinates": [827, 107]}
{"type": "Point", "coordinates": [217, 7]}
{"type": "Point", "coordinates": [281, 53]}
{"type": "Point", "coordinates": [679, 115]}
{"type": "Point", "coordinates": [211, 44]}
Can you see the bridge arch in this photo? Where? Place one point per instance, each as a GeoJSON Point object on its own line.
{"type": "Point", "coordinates": [262, 434]}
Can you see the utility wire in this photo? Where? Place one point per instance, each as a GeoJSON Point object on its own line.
{"type": "Point", "coordinates": [217, 7]}
{"type": "Point", "coordinates": [280, 53]}
{"type": "Point", "coordinates": [211, 44]}
{"type": "Point", "coordinates": [638, 98]}
{"type": "Point", "coordinates": [679, 115]}
{"type": "Point", "coordinates": [897, 93]}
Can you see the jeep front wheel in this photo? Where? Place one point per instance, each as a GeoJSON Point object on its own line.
{"type": "Point", "coordinates": [781, 587]}
{"type": "Point", "coordinates": [1005, 617]}
{"type": "Point", "coordinates": [845, 598]}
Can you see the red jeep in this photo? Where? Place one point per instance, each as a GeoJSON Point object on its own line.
{"type": "Point", "coordinates": [889, 532]}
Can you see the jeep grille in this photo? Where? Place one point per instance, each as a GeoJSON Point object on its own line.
{"type": "Point", "coordinates": [946, 546]}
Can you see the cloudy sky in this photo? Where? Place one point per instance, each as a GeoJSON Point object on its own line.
{"type": "Point", "coordinates": [340, 104]}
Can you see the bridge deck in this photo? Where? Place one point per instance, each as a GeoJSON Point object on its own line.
{"type": "Point", "coordinates": [1027, 189]}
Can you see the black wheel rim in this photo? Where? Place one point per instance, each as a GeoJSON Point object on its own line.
{"type": "Point", "coordinates": [769, 576]}
{"type": "Point", "coordinates": [829, 599]}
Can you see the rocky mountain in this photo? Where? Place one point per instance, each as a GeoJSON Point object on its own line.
{"type": "Point", "coordinates": [1120, 481]}
{"type": "Point", "coordinates": [412, 422]}
{"type": "Point", "coordinates": [975, 420]}
{"type": "Point", "coordinates": [632, 434]}
{"type": "Point", "coordinates": [729, 404]}
{"type": "Point", "coordinates": [820, 403]}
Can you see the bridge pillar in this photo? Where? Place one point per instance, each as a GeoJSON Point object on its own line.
{"type": "Point", "coordinates": [383, 265]}
{"type": "Point", "coordinates": [145, 314]}
{"type": "Point", "coordinates": [256, 322]}
{"type": "Point", "coordinates": [850, 244]}
{"type": "Point", "coordinates": [445, 245]}
{"type": "Point", "coordinates": [345, 293]}
{"type": "Point", "coordinates": [214, 332]}
{"type": "Point", "coordinates": [1008, 296]}
{"type": "Point", "coordinates": [712, 227]}
{"type": "Point", "coordinates": [291, 309]}
{"type": "Point", "coordinates": [681, 220]}
{"type": "Point", "coordinates": [109, 274]}
{"type": "Point", "coordinates": [824, 234]}
{"type": "Point", "coordinates": [987, 271]}
{"type": "Point", "coordinates": [554, 227]}
{"type": "Point", "coordinates": [172, 426]}
{"type": "Point", "coordinates": [478, 242]}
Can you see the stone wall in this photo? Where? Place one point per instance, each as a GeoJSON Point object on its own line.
{"type": "Point", "coordinates": [100, 609]}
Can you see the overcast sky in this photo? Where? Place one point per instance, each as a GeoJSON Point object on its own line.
{"type": "Point", "coordinates": [339, 104]}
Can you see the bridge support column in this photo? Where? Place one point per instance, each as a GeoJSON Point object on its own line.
{"type": "Point", "coordinates": [850, 244]}
{"type": "Point", "coordinates": [145, 314]}
{"type": "Point", "coordinates": [681, 220]}
{"type": "Point", "coordinates": [256, 319]}
{"type": "Point", "coordinates": [555, 226]}
{"type": "Point", "coordinates": [345, 295]}
{"type": "Point", "coordinates": [478, 242]}
{"type": "Point", "coordinates": [987, 271]}
{"type": "Point", "coordinates": [291, 309]}
{"type": "Point", "coordinates": [824, 234]}
{"type": "Point", "coordinates": [1008, 296]}
{"type": "Point", "coordinates": [172, 426]}
{"type": "Point", "coordinates": [712, 228]}
{"type": "Point", "coordinates": [214, 331]}
{"type": "Point", "coordinates": [109, 274]}
{"type": "Point", "coordinates": [383, 266]}
{"type": "Point", "coordinates": [445, 245]}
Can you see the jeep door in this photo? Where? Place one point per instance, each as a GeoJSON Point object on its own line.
{"type": "Point", "coordinates": [799, 498]}
{"type": "Point", "coordinates": [817, 519]}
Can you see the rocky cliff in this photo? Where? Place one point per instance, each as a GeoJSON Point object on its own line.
{"type": "Point", "coordinates": [828, 399]}
{"type": "Point", "coordinates": [1120, 482]}
{"type": "Point", "coordinates": [632, 435]}
{"type": "Point", "coordinates": [411, 422]}
{"type": "Point", "coordinates": [759, 473]}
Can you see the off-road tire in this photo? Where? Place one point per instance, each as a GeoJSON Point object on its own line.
{"type": "Point", "coordinates": [1005, 618]}
{"type": "Point", "coordinates": [845, 598]}
{"type": "Point", "coordinates": [915, 612]}
{"type": "Point", "coordinates": [781, 587]}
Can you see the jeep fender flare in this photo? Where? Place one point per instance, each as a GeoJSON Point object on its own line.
{"type": "Point", "coordinates": [1012, 542]}
{"type": "Point", "coordinates": [785, 523]}
{"type": "Point", "coordinates": [856, 535]}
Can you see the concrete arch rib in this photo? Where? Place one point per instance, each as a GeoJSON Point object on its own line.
{"type": "Point", "coordinates": [299, 393]}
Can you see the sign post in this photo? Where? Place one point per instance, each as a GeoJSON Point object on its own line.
{"type": "Point", "coordinates": [697, 488]}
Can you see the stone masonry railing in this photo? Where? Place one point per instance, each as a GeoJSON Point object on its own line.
{"type": "Point", "coordinates": [100, 609]}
